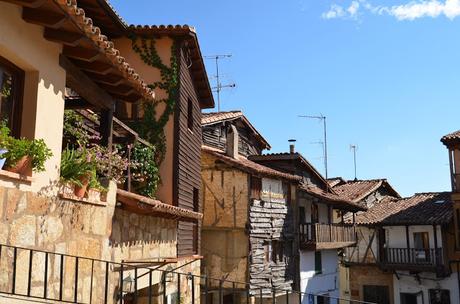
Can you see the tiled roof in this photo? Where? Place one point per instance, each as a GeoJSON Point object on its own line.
{"type": "Point", "coordinates": [331, 197]}
{"type": "Point", "coordinates": [453, 137]}
{"type": "Point", "coordinates": [213, 117]}
{"type": "Point", "coordinates": [357, 190]}
{"type": "Point", "coordinates": [105, 46]}
{"type": "Point", "coordinates": [197, 67]}
{"type": "Point", "coordinates": [107, 18]}
{"type": "Point", "coordinates": [216, 117]}
{"type": "Point", "coordinates": [246, 165]}
{"type": "Point", "coordinates": [334, 181]}
{"type": "Point", "coordinates": [420, 209]}
{"type": "Point", "coordinates": [289, 156]}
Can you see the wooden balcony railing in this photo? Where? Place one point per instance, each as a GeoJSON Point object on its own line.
{"type": "Point", "coordinates": [336, 235]}
{"type": "Point", "coordinates": [413, 257]}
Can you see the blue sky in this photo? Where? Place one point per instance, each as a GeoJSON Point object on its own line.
{"type": "Point", "coordinates": [385, 73]}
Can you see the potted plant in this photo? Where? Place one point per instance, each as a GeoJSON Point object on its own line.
{"type": "Point", "coordinates": [4, 137]}
{"type": "Point", "coordinates": [24, 156]}
{"type": "Point", "coordinates": [94, 187]}
{"type": "Point", "coordinates": [76, 170]}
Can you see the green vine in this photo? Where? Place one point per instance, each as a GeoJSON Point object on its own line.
{"type": "Point", "coordinates": [152, 126]}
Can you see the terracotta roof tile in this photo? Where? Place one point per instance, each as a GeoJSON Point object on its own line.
{"type": "Point", "coordinates": [453, 137]}
{"type": "Point", "coordinates": [334, 181]}
{"type": "Point", "coordinates": [420, 209]}
{"type": "Point", "coordinates": [105, 46]}
{"type": "Point", "coordinates": [249, 166]}
{"type": "Point", "coordinates": [213, 117]}
{"type": "Point", "coordinates": [337, 200]}
{"type": "Point", "coordinates": [357, 190]}
{"type": "Point", "coordinates": [216, 117]}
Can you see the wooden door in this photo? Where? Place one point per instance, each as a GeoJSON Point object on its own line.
{"type": "Point", "coordinates": [379, 294]}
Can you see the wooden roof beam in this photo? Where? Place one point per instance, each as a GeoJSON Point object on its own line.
{"type": "Point", "coordinates": [81, 53]}
{"type": "Point", "coordinates": [109, 79]}
{"type": "Point", "coordinates": [27, 3]}
{"type": "Point", "coordinates": [133, 98]}
{"type": "Point", "coordinates": [64, 37]}
{"type": "Point", "coordinates": [121, 89]}
{"type": "Point", "coordinates": [96, 67]}
{"type": "Point", "coordinates": [84, 86]}
{"type": "Point", "coordinates": [43, 17]}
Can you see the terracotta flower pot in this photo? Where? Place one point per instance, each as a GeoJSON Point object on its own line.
{"type": "Point", "coordinates": [23, 166]}
{"type": "Point", "coordinates": [80, 191]}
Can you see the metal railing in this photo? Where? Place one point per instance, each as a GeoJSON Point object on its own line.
{"type": "Point", "coordinates": [413, 256]}
{"type": "Point", "coordinates": [67, 278]}
{"type": "Point", "coordinates": [327, 233]}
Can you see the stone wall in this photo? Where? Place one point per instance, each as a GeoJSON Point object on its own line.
{"type": "Point", "coordinates": [225, 242]}
{"type": "Point", "coordinates": [90, 231]}
{"type": "Point", "coordinates": [368, 275]}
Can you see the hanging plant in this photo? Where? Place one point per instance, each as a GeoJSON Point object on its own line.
{"type": "Point", "coordinates": [153, 124]}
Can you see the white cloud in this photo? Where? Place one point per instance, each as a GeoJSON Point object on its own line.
{"type": "Point", "coordinates": [336, 11]}
{"type": "Point", "coordinates": [410, 11]}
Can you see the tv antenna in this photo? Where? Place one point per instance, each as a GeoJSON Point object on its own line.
{"type": "Point", "coordinates": [322, 118]}
{"type": "Point", "coordinates": [354, 148]}
{"type": "Point", "coordinates": [219, 86]}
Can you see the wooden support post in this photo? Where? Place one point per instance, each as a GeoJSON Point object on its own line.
{"type": "Point", "coordinates": [435, 235]}
{"type": "Point", "coordinates": [106, 128]}
{"type": "Point", "coordinates": [409, 256]}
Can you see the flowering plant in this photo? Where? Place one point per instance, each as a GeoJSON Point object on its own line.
{"type": "Point", "coordinates": [145, 172]}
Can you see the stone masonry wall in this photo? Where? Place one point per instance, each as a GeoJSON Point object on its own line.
{"type": "Point", "coordinates": [101, 232]}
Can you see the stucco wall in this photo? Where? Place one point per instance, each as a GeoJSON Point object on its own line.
{"type": "Point", "coordinates": [151, 75]}
{"type": "Point", "coordinates": [408, 284]}
{"type": "Point", "coordinates": [43, 111]}
{"type": "Point", "coordinates": [396, 235]}
{"type": "Point", "coordinates": [325, 283]}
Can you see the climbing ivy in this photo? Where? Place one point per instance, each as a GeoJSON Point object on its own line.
{"type": "Point", "coordinates": [152, 126]}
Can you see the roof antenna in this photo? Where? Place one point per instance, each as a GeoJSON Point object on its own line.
{"type": "Point", "coordinates": [219, 85]}
{"type": "Point", "coordinates": [322, 118]}
{"type": "Point", "coordinates": [354, 148]}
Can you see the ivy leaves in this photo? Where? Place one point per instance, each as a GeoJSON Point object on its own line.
{"type": "Point", "coordinates": [152, 126]}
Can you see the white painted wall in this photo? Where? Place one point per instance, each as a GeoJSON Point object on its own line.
{"type": "Point", "coordinates": [43, 110]}
{"type": "Point", "coordinates": [408, 284]}
{"type": "Point", "coordinates": [325, 283]}
{"type": "Point", "coordinates": [396, 235]}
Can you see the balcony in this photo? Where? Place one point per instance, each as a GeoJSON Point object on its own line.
{"type": "Point", "coordinates": [326, 236]}
{"type": "Point", "coordinates": [413, 259]}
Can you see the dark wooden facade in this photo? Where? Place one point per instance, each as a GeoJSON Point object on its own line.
{"type": "Point", "coordinates": [187, 163]}
{"type": "Point", "coordinates": [215, 135]}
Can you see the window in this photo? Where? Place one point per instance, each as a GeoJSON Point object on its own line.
{"type": "Point", "coordinates": [267, 251]}
{"type": "Point", "coordinates": [302, 218]}
{"type": "Point", "coordinates": [277, 251]}
{"type": "Point", "coordinates": [422, 246]}
{"type": "Point", "coordinates": [196, 199]}
{"type": "Point", "coordinates": [421, 240]}
{"type": "Point", "coordinates": [190, 114]}
{"type": "Point", "coordinates": [439, 296]}
{"type": "Point", "coordinates": [11, 89]}
{"type": "Point", "coordinates": [323, 300]}
{"type": "Point", "coordinates": [318, 263]}
{"type": "Point", "coordinates": [457, 222]}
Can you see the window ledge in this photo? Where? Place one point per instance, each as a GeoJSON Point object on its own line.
{"type": "Point", "coordinates": [72, 197]}
{"type": "Point", "coordinates": [16, 177]}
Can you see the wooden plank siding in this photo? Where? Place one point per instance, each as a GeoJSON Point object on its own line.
{"type": "Point", "coordinates": [188, 159]}
{"type": "Point", "coordinates": [216, 136]}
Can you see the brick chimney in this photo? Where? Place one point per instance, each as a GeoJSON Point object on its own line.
{"type": "Point", "coordinates": [232, 142]}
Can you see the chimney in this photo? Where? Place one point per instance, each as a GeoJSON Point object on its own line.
{"type": "Point", "coordinates": [232, 142]}
{"type": "Point", "coordinates": [292, 145]}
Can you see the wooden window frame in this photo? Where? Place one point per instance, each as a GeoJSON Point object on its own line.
{"type": "Point", "coordinates": [190, 120]}
{"type": "Point", "coordinates": [318, 262]}
{"type": "Point", "coordinates": [18, 95]}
